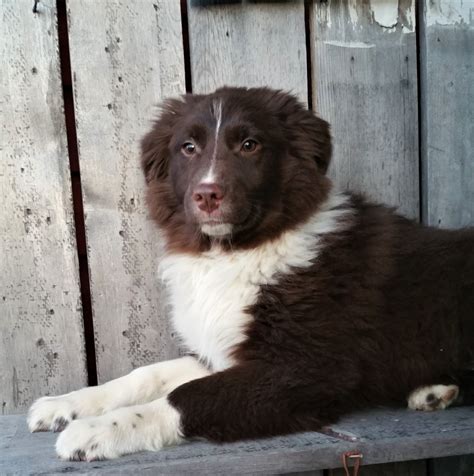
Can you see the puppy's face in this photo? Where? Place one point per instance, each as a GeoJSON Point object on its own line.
{"type": "Point", "coordinates": [237, 166]}
{"type": "Point", "coordinates": [223, 164]}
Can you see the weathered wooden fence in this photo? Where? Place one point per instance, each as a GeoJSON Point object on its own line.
{"type": "Point", "coordinates": [395, 78]}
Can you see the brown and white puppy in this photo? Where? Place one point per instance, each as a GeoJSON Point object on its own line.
{"type": "Point", "coordinates": [301, 303]}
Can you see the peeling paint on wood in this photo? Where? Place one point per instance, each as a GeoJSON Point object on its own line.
{"type": "Point", "coordinates": [249, 45]}
{"type": "Point", "coordinates": [365, 85]}
{"type": "Point", "coordinates": [449, 12]}
{"type": "Point", "coordinates": [125, 57]}
{"type": "Point", "coordinates": [385, 13]}
{"type": "Point", "coordinates": [41, 332]}
{"type": "Point", "coordinates": [350, 44]}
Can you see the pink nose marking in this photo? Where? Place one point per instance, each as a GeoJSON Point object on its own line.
{"type": "Point", "coordinates": [208, 196]}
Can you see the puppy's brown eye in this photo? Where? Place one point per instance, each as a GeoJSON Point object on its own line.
{"type": "Point", "coordinates": [188, 148]}
{"type": "Point", "coordinates": [249, 145]}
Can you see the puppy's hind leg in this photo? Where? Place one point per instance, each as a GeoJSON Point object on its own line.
{"type": "Point", "coordinates": [433, 397]}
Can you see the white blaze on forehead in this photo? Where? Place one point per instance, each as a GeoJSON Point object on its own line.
{"type": "Point", "coordinates": [217, 113]}
{"type": "Point", "coordinates": [209, 177]}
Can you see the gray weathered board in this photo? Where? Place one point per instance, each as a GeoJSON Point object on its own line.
{"type": "Point", "coordinates": [125, 57]}
{"type": "Point", "coordinates": [365, 84]}
{"type": "Point", "coordinates": [249, 45]}
{"type": "Point", "coordinates": [380, 436]}
{"type": "Point", "coordinates": [447, 105]}
{"type": "Point", "coordinates": [41, 332]}
{"type": "Point", "coordinates": [447, 131]}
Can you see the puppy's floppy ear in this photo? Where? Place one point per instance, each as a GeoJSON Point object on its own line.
{"type": "Point", "coordinates": [313, 138]}
{"type": "Point", "coordinates": [155, 144]}
{"type": "Point", "coordinates": [308, 133]}
{"type": "Point", "coordinates": [154, 157]}
{"type": "Point", "coordinates": [154, 148]}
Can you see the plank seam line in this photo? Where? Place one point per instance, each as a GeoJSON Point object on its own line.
{"type": "Point", "coordinates": [420, 78]}
{"type": "Point", "coordinates": [77, 197]}
{"type": "Point", "coordinates": [308, 5]}
{"type": "Point", "coordinates": [186, 46]}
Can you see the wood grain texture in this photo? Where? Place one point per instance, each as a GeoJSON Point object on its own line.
{"type": "Point", "coordinates": [381, 436]}
{"type": "Point", "coordinates": [125, 57]}
{"type": "Point", "coordinates": [249, 45]}
{"type": "Point", "coordinates": [447, 68]}
{"type": "Point", "coordinates": [41, 332]}
{"type": "Point", "coordinates": [365, 85]}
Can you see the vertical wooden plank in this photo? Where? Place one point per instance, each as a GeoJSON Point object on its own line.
{"type": "Point", "coordinates": [365, 85]}
{"type": "Point", "coordinates": [249, 45]}
{"type": "Point", "coordinates": [447, 73]}
{"type": "Point", "coordinates": [125, 57]}
{"type": "Point", "coordinates": [447, 133]}
{"type": "Point", "coordinates": [405, 468]}
{"type": "Point", "coordinates": [41, 332]}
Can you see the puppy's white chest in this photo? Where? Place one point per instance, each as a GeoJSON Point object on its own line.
{"type": "Point", "coordinates": [209, 295]}
{"type": "Point", "coordinates": [210, 292]}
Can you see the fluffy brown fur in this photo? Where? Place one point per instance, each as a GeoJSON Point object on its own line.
{"type": "Point", "coordinates": [388, 306]}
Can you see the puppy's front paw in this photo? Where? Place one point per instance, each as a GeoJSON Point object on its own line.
{"type": "Point", "coordinates": [108, 436]}
{"type": "Point", "coordinates": [51, 414]}
{"type": "Point", "coordinates": [125, 430]}
{"type": "Point", "coordinates": [91, 439]}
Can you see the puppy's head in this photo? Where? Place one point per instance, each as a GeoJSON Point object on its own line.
{"type": "Point", "coordinates": [237, 166]}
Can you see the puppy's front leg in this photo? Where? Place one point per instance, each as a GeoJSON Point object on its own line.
{"type": "Point", "coordinates": [142, 385]}
{"type": "Point", "coordinates": [255, 400]}
{"type": "Point", "coordinates": [241, 402]}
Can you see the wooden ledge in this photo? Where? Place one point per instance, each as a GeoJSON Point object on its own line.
{"type": "Point", "coordinates": [381, 436]}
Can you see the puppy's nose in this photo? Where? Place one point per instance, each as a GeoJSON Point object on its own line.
{"type": "Point", "coordinates": [208, 196]}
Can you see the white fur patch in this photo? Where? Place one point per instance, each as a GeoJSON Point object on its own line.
{"type": "Point", "coordinates": [210, 292]}
{"type": "Point", "coordinates": [210, 176]}
{"type": "Point", "coordinates": [126, 430]}
{"type": "Point", "coordinates": [433, 397]}
{"type": "Point", "coordinates": [142, 385]}
{"type": "Point", "coordinates": [217, 110]}
{"type": "Point", "coordinates": [219, 229]}
{"type": "Point", "coordinates": [217, 113]}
